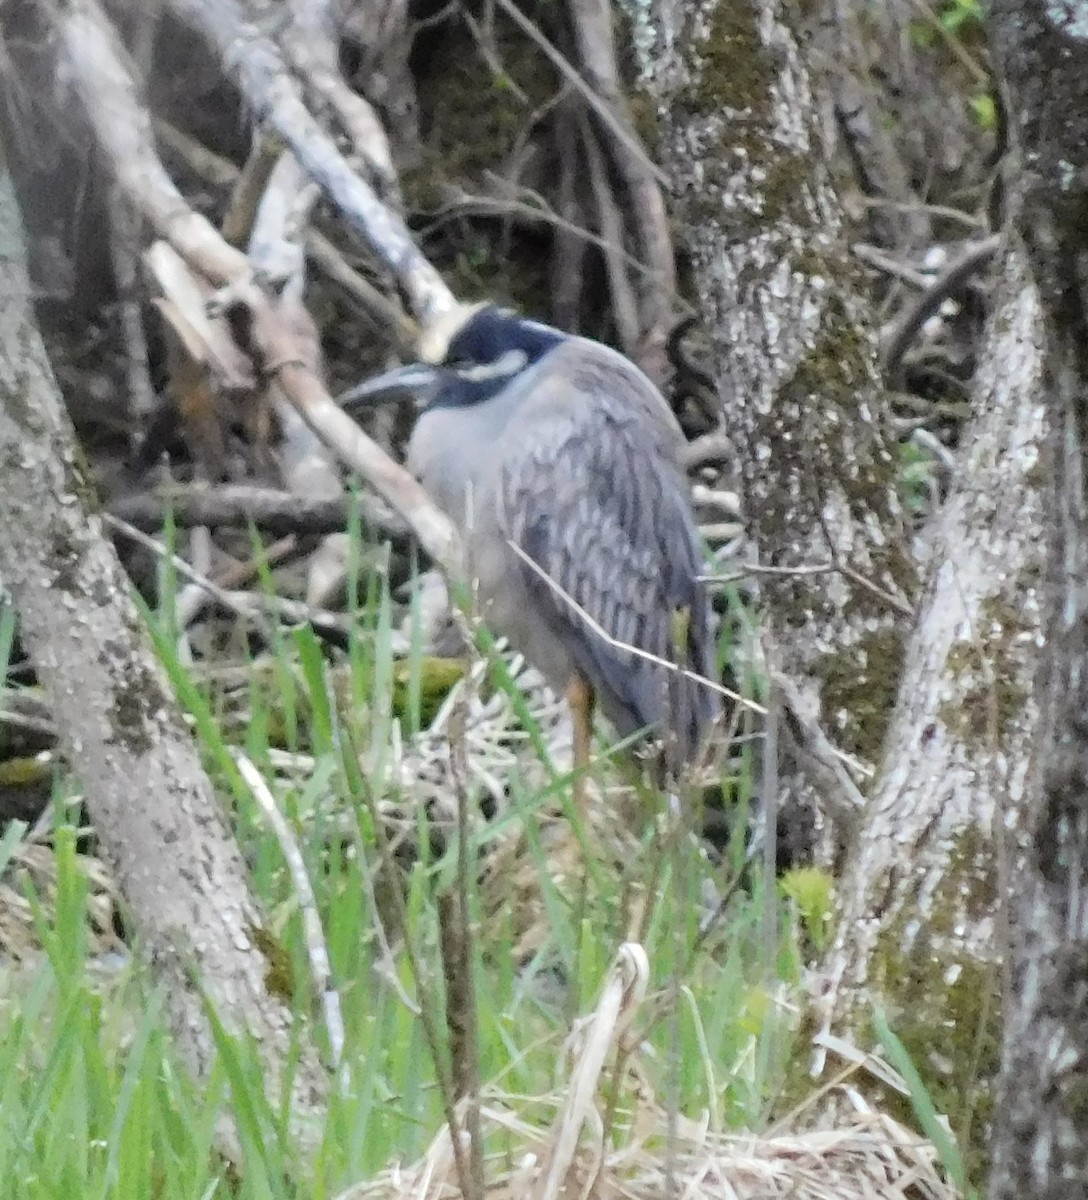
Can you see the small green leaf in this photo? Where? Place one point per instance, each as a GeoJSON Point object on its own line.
{"type": "Point", "coordinates": [984, 110]}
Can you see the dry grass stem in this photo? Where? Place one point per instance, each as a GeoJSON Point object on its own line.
{"type": "Point", "coordinates": [868, 1156]}
{"type": "Point", "coordinates": [317, 952]}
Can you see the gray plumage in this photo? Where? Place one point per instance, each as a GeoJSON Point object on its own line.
{"type": "Point", "coordinates": [569, 472]}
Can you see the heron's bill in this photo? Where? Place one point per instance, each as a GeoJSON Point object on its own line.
{"type": "Point", "coordinates": [414, 378]}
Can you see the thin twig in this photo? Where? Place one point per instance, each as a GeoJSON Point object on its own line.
{"type": "Point", "coordinates": [840, 756]}
{"type": "Point", "coordinates": [636, 651]}
{"type": "Point", "coordinates": [388, 316]}
{"type": "Point", "coordinates": [242, 604]}
{"type": "Point", "coordinates": [568, 260]}
{"type": "Point", "coordinates": [491, 59]}
{"type": "Point", "coordinates": [940, 211]}
{"type": "Point", "coordinates": [882, 261]}
{"type": "Point", "coordinates": [592, 22]}
{"type": "Point", "coordinates": [234, 576]}
{"type": "Point", "coordinates": [533, 208]}
{"type": "Point", "coordinates": [212, 168]}
{"type": "Point", "coordinates": [892, 601]}
{"type": "Point", "coordinates": [624, 304]}
{"type": "Point", "coordinates": [570, 73]}
{"type": "Point", "coordinates": [905, 330]}
{"type": "Point", "coordinates": [982, 77]}
{"type": "Point", "coordinates": [824, 763]}
{"type": "Point", "coordinates": [748, 572]}
{"type": "Point", "coordinates": [176, 561]}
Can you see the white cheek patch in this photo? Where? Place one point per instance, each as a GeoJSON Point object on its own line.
{"type": "Point", "coordinates": [509, 363]}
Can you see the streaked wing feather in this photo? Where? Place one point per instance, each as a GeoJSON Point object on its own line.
{"type": "Point", "coordinates": [595, 501]}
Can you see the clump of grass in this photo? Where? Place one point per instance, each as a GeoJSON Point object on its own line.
{"type": "Point", "coordinates": [93, 1101]}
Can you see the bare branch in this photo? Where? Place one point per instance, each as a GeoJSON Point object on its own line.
{"type": "Point", "coordinates": [906, 328]}
{"type": "Point", "coordinates": [608, 117]}
{"type": "Point", "coordinates": [624, 305]}
{"type": "Point", "coordinates": [238, 505]}
{"type": "Point", "coordinates": [125, 247]}
{"type": "Point", "coordinates": [121, 123]}
{"type": "Point", "coordinates": [256, 606]}
{"type": "Point", "coordinates": [280, 350]}
{"type": "Point", "coordinates": [274, 96]}
{"type": "Point", "coordinates": [249, 186]}
{"type": "Point", "coordinates": [275, 346]}
{"type": "Point", "coordinates": [592, 21]}
{"type": "Point", "coordinates": [219, 172]}
{"type": "Point", "coordinates": [309, 39]}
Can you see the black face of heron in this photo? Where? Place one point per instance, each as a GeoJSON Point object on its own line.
{"type": "Point", "coordinates": [482, 357]}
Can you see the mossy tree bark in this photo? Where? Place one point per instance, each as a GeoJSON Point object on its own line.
{"type": "Point", "coordinates": [155, 813]}
{"type": "Point", "coordinates": [933, 689]}
{"type": "Point", "coordinates": [761, 226]}
{"type": "Point", "coordinates": [1041, 1135]}
{"type": "Point", "coordinates": [920, 906]}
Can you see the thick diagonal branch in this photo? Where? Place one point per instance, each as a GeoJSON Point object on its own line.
{"type": "Point", "coordinates": [309, 41]}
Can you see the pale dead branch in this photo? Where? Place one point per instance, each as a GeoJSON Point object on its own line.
{"type": "Point", "coordinates": [123, 128]}
{"type": "Point", "coordinates": [239, 505]}
{"type": "Point", "coordinates": [278, 349]}
{"type": "Point", "coordinates": [259, 69]}
{"type": "Point", "coordinates": [217, 171]}
{"type": "Point", "coordinates": [310, 41]}
{"type": "Point", "coordinates": [317, 952]}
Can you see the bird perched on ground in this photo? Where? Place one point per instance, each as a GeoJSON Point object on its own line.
{"type": "Point", "coordinates": [558, 460]}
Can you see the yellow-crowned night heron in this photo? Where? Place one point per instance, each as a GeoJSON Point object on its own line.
{"type": "Point", "coordinates": [558, 460]}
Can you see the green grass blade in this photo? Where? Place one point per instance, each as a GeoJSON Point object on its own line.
{"type": "Point", "coordinates": [921, 1101]}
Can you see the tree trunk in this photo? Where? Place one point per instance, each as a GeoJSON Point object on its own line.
{"type": "Point", "coordinates": [762, 229]}
{"type": "Point", "coordinates": [938, 699]}
{"type": "Point", "coordinates": [1041, 1134]}
{"type": "Point", "coordinates": [160, 825]}
{"type": "Point", "coordinates": [920, 902]}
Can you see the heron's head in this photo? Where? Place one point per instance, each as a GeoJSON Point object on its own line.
{"type": "Point", "coordinates": [468, 355]}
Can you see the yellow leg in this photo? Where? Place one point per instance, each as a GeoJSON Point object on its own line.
{"type": "Point", "coordinates": [580, 698]}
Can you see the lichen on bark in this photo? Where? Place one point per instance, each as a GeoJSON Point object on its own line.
{"type": "Point", "coordinates": [919, 922]}
{"type": "Point", "coordinates": [158, 822]}
{"type": "Point", "coordinates": [763, 234]}
{"type": "Point", "coordinates": [933, 686]}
